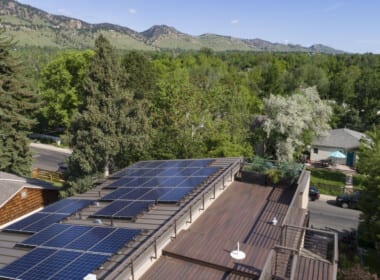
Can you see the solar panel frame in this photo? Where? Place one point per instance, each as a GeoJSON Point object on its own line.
{"type": "Point", "coordinates": [77, 205]}
{"type": "Point", "coordinates": [172, 181]}
{"type": "Point", "coordinates": [155, 193]}
{"type": "Point", "coordinates": [19, 225]}
{"type": "Point", "coordinates": [207, 171]}
{"type": "Point", "coordinates": [135, 194]}
{"type": "Point", "coordinates": [44, 222]}
{"type": "Point", "coordinates": [192, 182]}
{"type": "Point", "coordinates": [112, 208]}
{"type": "Point", "coordinates": [117, 193]}
{"type": "Point", "coordinates": [90, 238]}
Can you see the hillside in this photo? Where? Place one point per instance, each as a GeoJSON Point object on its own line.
{"type": "Point", "coordinates": [33, 27]}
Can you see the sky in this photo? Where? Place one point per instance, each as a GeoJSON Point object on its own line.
{"type": "Point", "coordinates": [348, 25]}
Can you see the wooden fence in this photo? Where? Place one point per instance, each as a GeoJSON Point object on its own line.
{"type": "Point", "coordinates": [47, 175]}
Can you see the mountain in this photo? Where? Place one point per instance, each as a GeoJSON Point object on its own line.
{"type": "Point", "coordinates": [33, 27]}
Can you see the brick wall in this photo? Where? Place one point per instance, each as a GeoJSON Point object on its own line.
{"type": "Point", "coordinates": [25, 201]}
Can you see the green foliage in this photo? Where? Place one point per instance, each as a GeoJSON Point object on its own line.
{"type": "Point", "coordinates": [16, 107]}
{"type": "Point", "coordinates": [292, 121]}
{"type": "Point", "coordinates": [62, 87]}
{"type": "Point", "coordinates": [369, 164]}
{"type": "Point", "coordinates": [327, 177]}
{"type": "Point", "coordinates": [110, 129]}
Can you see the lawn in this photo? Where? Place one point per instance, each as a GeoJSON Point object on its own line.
{"type": "Point", "coordinates": [327, 181]}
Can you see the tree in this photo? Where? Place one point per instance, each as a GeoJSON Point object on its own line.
{"type": "Point", "coordinates": [16, 107]}
{"type": "Point", "coordinates": [111, 126]}
{"type": "Point", "coordinates": [369, 164]}
{"type": "Point", "coordinates": [292, 122]}
{"type": "Point", "coordinates": [62, 85]}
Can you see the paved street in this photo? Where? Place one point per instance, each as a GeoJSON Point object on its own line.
{"type": "Point", "coordinates": [47, 157]}
{"type": "Point", "coordinates": [324, 214]}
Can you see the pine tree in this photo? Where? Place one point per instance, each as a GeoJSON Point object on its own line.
{"type": "Point", "coordinates": [16, 106]}
{"type": "Point", "coordinates": [111, 127]}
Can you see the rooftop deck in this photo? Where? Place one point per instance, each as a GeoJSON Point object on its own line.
{"type": "Point", "coordinates": [242, 213]}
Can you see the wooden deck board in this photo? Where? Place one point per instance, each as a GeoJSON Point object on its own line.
{"type": "Point", "coordinates": [308, 268]}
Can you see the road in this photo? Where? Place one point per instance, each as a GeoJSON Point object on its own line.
{"type": "Point", "coordinates": [48, 158]}
{"type": "Point", "coordinates": [324, 214]}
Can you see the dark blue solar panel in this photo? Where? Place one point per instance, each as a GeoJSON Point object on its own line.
{"type": "Point", "coordinates": [123, 182]}
{"type": "Point", "coordinates": [82, 266]}
{"type": "Point", "coordinates": [117, 194]}
{"type": "Point", "coordinates": [21, 265]}
{"type": "Point", "coordinates": [139, 172]}
{"type": "Point", "coordinates": [173, 181]}
{"type": "Point", "coordinates": [153, 164]}
{"type": "Point", "coordinates": [154, 194]}
{"type": "Point", "coordinates": [135, 194]}
{"type": "Point", "coordinates": [207, 171]}
{"type": "Point", "coordinates": [111, 209]}
{"type": "Point", "coordinates": [156, 181]}
{"type": "Point", "coordinates": [184, 163]}
{"type": "Point", "coordinates": [139, 181]}
{"type": "Point", "coordinates": [187, 171]}
{"type": "Point", "coordinates": [169, 163]}
{"type": "Point", "coordinates": [175, 195]}
{"type": "Point", "coordinates": [77, 205]}
{"type": "Point", "coordinates": [153, 172]}
{"type": "Point", "coordinates": [133, 209]}
{"type": "Point", "coordinates": [52, 208]}
{"type": "Point", "coordinates": [61, 240]}
{"type": "Point", "coordinates": [45, 222]}
{"type": "Point", "coordinates": [46, 234]}
{"type": "Point", "coordinates": [50, 265]}
{"type": "Point", "coordinates": [192, 182]}
{"type": "Point", "coordinates": [18, 226]}
{"type": "Point", "coordinates": [90, 238]}
{"type": "Point", "coordinates": [172, 171]}
{"type": "Point", "coordinates": [200, 162]}
{"type": "Point", "coordinates": [116, 240]}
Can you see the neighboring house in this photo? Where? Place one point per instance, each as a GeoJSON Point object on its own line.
{"type": "Point", "coordinates": [20, 196]}
{"type": "Point", "coordinates": [344, 140]}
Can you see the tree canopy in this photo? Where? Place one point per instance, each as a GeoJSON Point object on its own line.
{"type": "Point", "coordinates": [16, 108]}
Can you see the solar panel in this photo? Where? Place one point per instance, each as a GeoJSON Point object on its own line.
{"type": "Point", "coordinates": [50, 265]}
{"type": "Point", "coordinates": [172, 181]}
{"type": "Point", "coordinates": [135, 194]}
{"type": "Point", "coordinates": [154, 194]}
{"type": "Point", "coordinates": [192, 182]}
{"type": "Point", "coordinates": [200, 162]}
{"type": "Point", "coordinates": [172, 171]}
{"type": "Point", "coordinates": [46, 234]}
{"type": "Point", "coordinates": [153, 172]}
{"type": "Point", "coordinates": [123, 182]}
{"type": "Point", "coordinates": [133, 209]}
{"type": "Point", "coordinates": [18, 226]}
{"type": "Point", "coordinates": [44, 222]}
{"type": "Point", "coordinates": [175, 195]}
{"type": "Point", "coordinates": [117, 194]}
{"type": "Point", "coordinates": [21, 265]}
{"type": "Point", "coordinates": [187, 171]}
{"type": "Point", "coordinates": [116, 240]}
{"type": "Point", "coordinates": [77, 205]}
{"type": "Point", "coordinates": [90, 238]}
{"type": "Point", "coordinates": [156, 181]}
{"type": "Point", "coordinates": [207, 171]}
{"type": "Point", "coordinates": [61, 240]}
{"type": "Point", "coordinates": [112, 208]}
{"type": "Point", "coordinates": [54, 207]}
{"type": "Point", "coordinates": [82, 266]}
{"type": "Point", "coordinates": [139, 181]}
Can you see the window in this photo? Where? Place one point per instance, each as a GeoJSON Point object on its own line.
{"type": "Point", "coordinates": [315, 150]}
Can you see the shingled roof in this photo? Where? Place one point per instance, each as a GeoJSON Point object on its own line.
{"type": "Point", "coordinates": [340, 138]}
{"type": "Point", "coordinates": [11, 184]}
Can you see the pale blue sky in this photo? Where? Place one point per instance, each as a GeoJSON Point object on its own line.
{"type": "Point", "coordinates": [349, 25]}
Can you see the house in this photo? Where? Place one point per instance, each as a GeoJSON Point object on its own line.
{"type": "Point", "coordinates": [20, 196]}
{"type": "Point", "coordinates": [345, 140]}
{"type": "Point", "coordinates": [173, 219]}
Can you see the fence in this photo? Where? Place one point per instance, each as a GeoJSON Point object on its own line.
{"type": "Point", "coordinates": [47, 175]}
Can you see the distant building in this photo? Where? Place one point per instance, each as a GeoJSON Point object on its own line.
{"type": "Point", "coordinates": [345, 140]}
{"type": "Point", "coordinates": [20, 196]}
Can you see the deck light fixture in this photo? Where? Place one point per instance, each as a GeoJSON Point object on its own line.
{"type": "Point", "coordinates": [237, 254]}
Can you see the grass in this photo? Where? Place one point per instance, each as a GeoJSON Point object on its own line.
{"type": "Point", "coordinates": [327, 181]}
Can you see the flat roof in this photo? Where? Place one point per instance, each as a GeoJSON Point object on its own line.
{"type": "Point", "coordinates": [243, 213]}
{"type": "Point", "coordinates": [149, 221]}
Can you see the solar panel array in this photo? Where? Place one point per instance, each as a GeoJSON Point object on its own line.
{"type": "Point", "coordinates": [51, 214]}
{"type": "Point", "coordinates": [145, 183]}
{"type": "Point", "coordinates": [102, 240]}
{"type": "Point", "coordinates": [44, 263]}
{"type": "Point", "coordinates": [67, 251]}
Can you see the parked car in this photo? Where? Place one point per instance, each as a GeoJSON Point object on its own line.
{"type": "Point", "coordinates": [348, 200]}
{"type": "Point", "coordinates": [313, 193]}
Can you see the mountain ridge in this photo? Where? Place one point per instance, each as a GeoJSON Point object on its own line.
{"type": "Point", "coordinates": [31, 26]}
